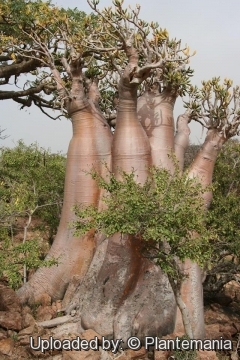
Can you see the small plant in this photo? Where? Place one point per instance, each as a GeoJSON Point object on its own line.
{"type": "Point", "coordinates": [14, 257]}
{"type": "Point", "coordinates": [14, 336]}
{"type": "Point", "coordinates": [60, 313]}
{"type": "Point", "coordinates": [184, 354]}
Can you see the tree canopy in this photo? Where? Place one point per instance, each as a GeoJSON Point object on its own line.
{"type": "Point", "coordinates": [46, 41]}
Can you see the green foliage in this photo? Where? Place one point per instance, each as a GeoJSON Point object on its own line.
{"type": "Point", "coordinates": [216, 106]}
{"type": "Point", "coordinates": [13, 258]}
{"type": "Point", "coordinates": [224, 211]}
{"type": "Point", "coordinates": [166, 212]}
{"type": "Point", "coordinates": [31, 187]}
{"type": "Point", "coordinates": [184, 354]}
{"type": "Point", "coordinates": [31, 177]}
{"type": "Point", "coordinates": [49, 34]}
{"type": "Point", "coordinates": [14, 336]}
{"type": "Point", "coordinates": [177, 79]}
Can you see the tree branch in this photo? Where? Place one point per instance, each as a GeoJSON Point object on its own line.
{"type": "Point", "coordinates": [4, 95]}
{"type": "Point", "coordinates": [6, 71]}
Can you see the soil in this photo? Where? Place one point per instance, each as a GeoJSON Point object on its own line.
{"type": "Point", "coordinates": [221, 321]}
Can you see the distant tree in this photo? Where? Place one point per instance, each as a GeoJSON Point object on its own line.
{"type": "Point", "coordinates": [31, 187]}
{"type": "Point", "coordinates": [223, 216]}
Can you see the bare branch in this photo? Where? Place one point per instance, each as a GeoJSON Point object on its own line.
{"type": "Point", "coordinates": [213, 104]}
{"type": "Point", "coordinates": [33, 90]}
{"type": "Point", "coordinates": [5, 57]}
{"type": "Point", "coordinates": [66, 66]}
{"type": "Point", "coordinates": [51, 117]}
{"type": "Point", "coordinates": [24, 66]}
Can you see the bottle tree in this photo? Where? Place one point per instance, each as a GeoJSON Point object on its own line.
{"type": "Point", "coordinates": [112, 69]}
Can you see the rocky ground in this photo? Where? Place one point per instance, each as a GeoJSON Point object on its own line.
{"type": "Point", "coordinates": [17, 324]}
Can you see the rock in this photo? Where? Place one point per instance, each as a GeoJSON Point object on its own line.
{"type": "Point", "coordinates": [6, 347]}
{"type": "Point", "coordinates": [161, 355]}
{"type": "Point", "coordinates": [234, 356]}
{"type": "Point", "coordinates": [81, 355]}
{"type": "Point", "coordinates": [213, 331]}
{"type": "Point", "coordinates": [54, 307]}
{"type": "Point", "coordinates": [3, 334]}
{"type": "Point", "coordinates": [228, 329]}
{"type": "Point", "coordinates": [173, 336]}
{"type": "Point", "coordinates": [138, 354]}
{"type": "Point", "coordinates": [24, 337]}
{"type": "Point", "coordinates": [20, 353]}
{"type": "Point", "coordinates": [122, 356]}
{"type": "Point", "coordinates": [40, 331]}
{"type": "Point", "coordinates": [10, 320]}
{"type": "Point", "coordinates": [232, 289]}
{"type": "Point", "coordinates": [45, 313]}
{"type": "Point", "coordinates": [11, 334]}
{"type": "Point", "coordinates": [28, 320]}
{"type": "Point", "coordinates": [24, 340]}
{"type": "Point", "coordinates": [90, 334]}
{"type": "Point", "coordinates": [207, 355]}
{"type": "Point", "coordinates": [223, 299]}
{"type": "Point", "coordinates": [46, 300]}
{"type": "Point", "coordinates": [26, 310]}
{"type": "Point", "coordinates": [38, 353]}
{"type": "Point", "coordinates": [63, 331]}
{"type": "Point", "coordinates": [70, 290]}
{"type": "Point", "coordinates": [9, 300]}
{"type": "Point", "coordinates": [108, 355]}
{"type": "Point", "coordinates": [55, 357]}
{"type": "Point", "coordinates": [27, 331]}
{"type": "Point", "coordinates": [59, 305]}
{"type": "Point", "coordinates": [215, 314]}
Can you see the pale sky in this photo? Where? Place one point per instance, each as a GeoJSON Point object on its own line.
{"type": "Point", "coordinates": [211, 27]}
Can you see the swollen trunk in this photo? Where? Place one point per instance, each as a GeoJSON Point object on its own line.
{"type": "Point", "coordinates": [192, 292]}
{"type": "Point", "coordinates": [155, 112]}
{"type": "Point", "coordinates": [89, 146]}
{"type": "Point", "coordinates": [119, 272]}
{"type": "Point", "coordinates": [181, 140]}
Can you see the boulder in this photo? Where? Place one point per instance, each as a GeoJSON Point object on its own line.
{"type": "Point", "coordinates": [3, 334]}
{"type": "Point", "coordinates": [45, 313]}
{"type": "Point", "coordinates": [6, 347]}
{"type": "Point", "coordinates": [90, 334]}
{"type": "Point", "coordinates": [10, 320]}
{"type": "Point", "coordinates": [8, 299]}
{"type": "Point", "coordinates": [81, 355]}
{"type": "Point", "coordinates": [207, 355]}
